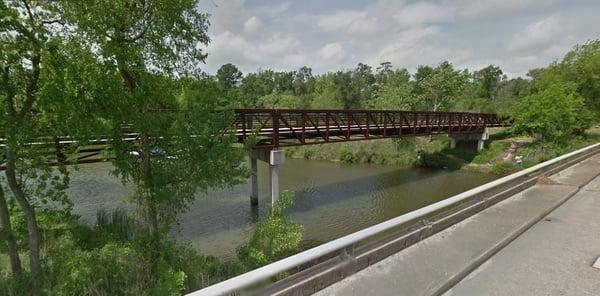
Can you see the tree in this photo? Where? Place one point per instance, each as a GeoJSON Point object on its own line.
{"type": "Point", "coordinates": [256, 85]}
{"type": "Point", "coordinates": [440, 86]}
{"type": "Point", "coordinates": [581, 66]}
{"type": "Point", "coordinates": [228, 77]}
{"type": "Point", "coordinates": [26, 41]}
{"type": "Point", "coordinates": [326, 96]}
{"type": "Point", "coordinates": [396, 93]}
{"type": "Point", "coordinates": [488, 80]}
{"type": "Point", "coordinates": [153, 46]}
{"type": "Point", "coordinates": [384, 71]}
{"type": "Point", "coordinates": [363, 84]}
{"type": "Point", "coordinates": [552, 114]}
{"type": "Point", "coordinates": [304, 82]}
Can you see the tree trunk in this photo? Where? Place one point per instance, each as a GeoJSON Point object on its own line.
{"type": "Point", "coordinates": [32, 227]}
{"type": "Point", "coordinates": [150, 205]}
{"type": "Point", "coordinates": [6, 229]}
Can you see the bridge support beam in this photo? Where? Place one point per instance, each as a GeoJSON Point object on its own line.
{"type": "Point", "coordinates": [274, 158]}
{"type": "Point", "coordinates": [480, 138]}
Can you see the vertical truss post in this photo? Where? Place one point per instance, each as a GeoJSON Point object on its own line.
{"type": "Point", "coordinates": [303, 127]}
{"type": "Point", "coordinates": [327, 126]}
{"type": "Point", "coordinates": [275, 119]}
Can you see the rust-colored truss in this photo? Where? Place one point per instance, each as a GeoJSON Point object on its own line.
{"type": "Point", "coordinates": [295, 127]}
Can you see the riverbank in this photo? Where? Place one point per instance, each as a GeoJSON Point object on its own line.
{"type": "Point", "coordinates": [497, 158]}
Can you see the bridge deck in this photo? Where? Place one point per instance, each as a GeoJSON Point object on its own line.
{"type": "Point", "coordinates": [553, 257]}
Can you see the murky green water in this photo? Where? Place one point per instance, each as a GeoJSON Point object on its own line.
{"type": "Point", "coordinates": [332, 200]}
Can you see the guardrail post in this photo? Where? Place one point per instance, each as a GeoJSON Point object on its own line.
{"type": "Point", "coordinates": [347, 252]}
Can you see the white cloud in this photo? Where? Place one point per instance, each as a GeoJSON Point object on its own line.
{"type": "Point", "coordinates": [276, 44]}
{"type": "Point", "coordinates": [339, 20]}
{"type": "Point", "coordinates": [332, 52]}
{"type": "Point", "coordinates": [252, 24]}
{"type": "Point", "coordinates": [536, 36]}
{"type": "Point", "coordinates": [472, 10]}
{"type": "Point", "coordinates": [421, 13]}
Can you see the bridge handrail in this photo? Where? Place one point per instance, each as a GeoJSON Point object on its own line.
{"type": "Point", "coordinates": [255, 276]}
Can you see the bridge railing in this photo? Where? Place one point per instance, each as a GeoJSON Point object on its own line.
{"type": "Point", "coordinates": [293, 127]}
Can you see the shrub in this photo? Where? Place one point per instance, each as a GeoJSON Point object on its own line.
{"type": "Point", "coordinates": [346, 156]}
{"type": "Point", "coordinates": [552, 114]}
{"type": "Point", "coordinates": [274, 238]}
{"type": "Point", "coordinates": [438, 160]}
{"type": "Point", "coordinates": [503, 168]}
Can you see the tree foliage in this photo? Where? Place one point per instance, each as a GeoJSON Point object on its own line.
{"type": "Point", "coordinates": [552, 114]}
{"type": "Point", "coordinates": [274, 238]}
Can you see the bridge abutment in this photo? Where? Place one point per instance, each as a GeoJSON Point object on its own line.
{"type": "Point", "coordinates": [480, 138]}
{"type": "Point", "coordinates": [274, 158]}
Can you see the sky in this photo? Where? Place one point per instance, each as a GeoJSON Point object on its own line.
{"type": "Point", "coordinates": [516, 35]}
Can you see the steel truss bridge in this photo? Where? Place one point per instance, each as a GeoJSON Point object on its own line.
{"type": "Point", "coordinates": [296, 127]}
{"type": "Point", "coordinates": [275, 128]}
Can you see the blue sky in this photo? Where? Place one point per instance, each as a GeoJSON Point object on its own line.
{"type": "Point", "coordinates": [516, 35]}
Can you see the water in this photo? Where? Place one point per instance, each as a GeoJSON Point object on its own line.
{"type": "Point", "coordinates": [332, 200]}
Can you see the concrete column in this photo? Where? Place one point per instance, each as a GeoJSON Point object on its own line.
{"type": "Point", "coordinates": [480, 145]}
{"type": "Point", "coordinates": [452, 142]}
{"type": "Point", "coordinates": [254, 167]}
{"type": "Point", "coordinates": [481, 141]}
{"type": "Point", "coordinates": [276, 158]}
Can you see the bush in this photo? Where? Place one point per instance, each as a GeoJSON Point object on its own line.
{"type": "Point", "coordinates": [552, 114]}
{"type": "Point", "coordinates": [439, 160]}
{"type": "Point", "coordinates": [346, 156]}
{"type": "Point", "coordinates": [503, 168]}
{"type": "Point", "coordinates": [274, 238]}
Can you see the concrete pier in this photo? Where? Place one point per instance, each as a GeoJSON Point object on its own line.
{"type": "Point", "coordinates": [274, 158]}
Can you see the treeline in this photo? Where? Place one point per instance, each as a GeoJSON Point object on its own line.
{"type": "Point", "coordinates": [571, 86]}
{"type": "Point", "coordinates": [439, 88]}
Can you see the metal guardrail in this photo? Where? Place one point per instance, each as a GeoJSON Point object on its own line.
{"type": "Point", "coordinates": [251, 278]}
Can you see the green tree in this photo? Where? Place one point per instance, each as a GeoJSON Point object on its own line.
{"type": "Point", "coordinates": [552, 114]}
{"type": "Point", "coordinates": [441, 86]}
{"type": "Point", "coordinates": [581, 66]}
{"type": "Point", "coordinates": [256, 85]}
{"type": "Point", "coordinates": [488, 80]}
{"type": "Point", "coordinates": [28, 37]}
{"type": "Point", "coordinates": [326, 96]}
{"type": "Point", "coordinates": [304, 82]}
{"type": "Point", "coordinates": [228, 77]}
{"type": "Point", "coordinates": [149, 44]}
{"type": "Point", "coordinates": [396, 93]}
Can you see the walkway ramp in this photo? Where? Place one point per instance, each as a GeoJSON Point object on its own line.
{"type": "Point", "coordinates": [553, 257]}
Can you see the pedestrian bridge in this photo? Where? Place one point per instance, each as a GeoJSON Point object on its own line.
{"type": "Point", "coordinates": [277, 128]}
